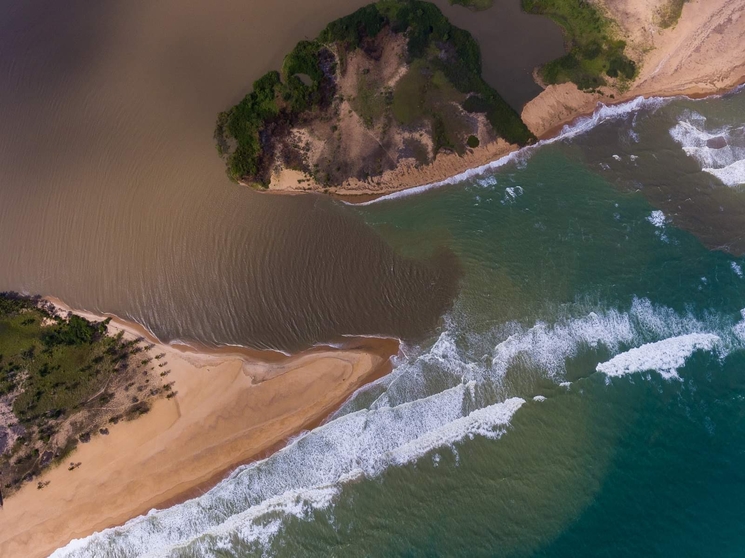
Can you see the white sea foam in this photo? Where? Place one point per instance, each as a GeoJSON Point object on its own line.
{"type": "Point", "coordinates": [511, 194]}
{"type": "Point", "coordinates": [736, 268]}
{"type": "Point", "coordinates": [548, 346]}
{"type": "Point", "coordinates": [543, 347]}
{"type": "Point", "coordinates": [657, 218]}
{"type": "Point", "coordinates": [305, 475]}
{"type": "Point", "coordinates": [539, 398]}
{"type": "Point", "coordinates": [739, 328]}
{"type": "Point", "coordinates": [731, 175]}
{"type": "Point", "coordinates": [603, 113]}
{"type": "Point", "coordinates": [402, 423]}
{"type": "Point", "coordinates": [488, 422]}
{"type": "Point", "coordinates": [720, 152]}
{"type": "Point", "coordinates": [665, 356]}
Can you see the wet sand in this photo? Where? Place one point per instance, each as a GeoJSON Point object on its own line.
{"type": "Point", "coordinates": [231, 407]}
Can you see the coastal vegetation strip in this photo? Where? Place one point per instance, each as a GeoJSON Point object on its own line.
{"type": "Point", "coordinates": [62, 379]}
{"type": "Point", "coordinates": [392, 81]}
{"type": "Point", "coordinates": [593, 51]}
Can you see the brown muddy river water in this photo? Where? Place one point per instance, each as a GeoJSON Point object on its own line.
{"type": "Point", "coordinates": [112, 196]}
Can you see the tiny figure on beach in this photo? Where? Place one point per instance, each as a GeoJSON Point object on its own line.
{"type": "Point", "coordinates": [74, 466]}
{"type": "Point", "coordinates": [41, 485]}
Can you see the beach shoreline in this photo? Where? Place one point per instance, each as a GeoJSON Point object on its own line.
{"type": "Point", "coordinates": [696, 58]}
{"type": "Point", "coordinates": [232, 406]}
{"type": "Point", "coordinates": [555, 130]}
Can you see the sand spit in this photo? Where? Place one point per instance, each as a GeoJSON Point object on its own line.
{"type": "Point", "coordinates": [231, 406]}
{"type": "Point", "coordinates": [703, 54]}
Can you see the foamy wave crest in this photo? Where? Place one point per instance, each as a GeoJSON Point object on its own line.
{"type": "Point", "coordinates": [539, 351]}
{"type": "Point", "coordinates": [657, 218]}
{"type": "Point", "coordinates": [603, 113]}
{"type": "Point", "coordinates": [549, 346]}
{"type": "Point", "coordinates": [731, 175]}
{"type": "Point", "coordinates": [650, 337]}
{"type": "Point", "coordinates": [665, 357]}
{"type": "Point", "coordinates": [437, 397]}
{"type": "Point", "coordinates": [720, 152]}
{"type": "Point", "coordinates": [248, 507]}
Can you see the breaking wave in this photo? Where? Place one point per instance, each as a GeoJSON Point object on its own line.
{"type": "Point", "coordinates": [436, 397]}
{"type": "Point", "coordinates": [665, 357]}
{"type": "Point", "coordinates": [720, 152]}
{"type": "Point", "coordinates": [305, 475]}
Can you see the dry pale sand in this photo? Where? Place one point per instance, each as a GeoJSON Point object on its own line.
{"type": "Point", "coordinates": [557, 105]}
{"type": "Point", "coordinates": [230, 408]}
{"type": "Point", "coordinates": [703, 54]}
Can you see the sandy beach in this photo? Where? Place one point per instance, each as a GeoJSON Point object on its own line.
{"type": "Point", "coordinates": [701, 55]}
{"type": "Point", "coordinates": [231, 407]}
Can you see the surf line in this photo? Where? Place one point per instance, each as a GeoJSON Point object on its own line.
{"type": "Point", "coordinates": [581, 125]}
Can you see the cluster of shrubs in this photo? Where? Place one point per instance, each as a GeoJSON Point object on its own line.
{"type": "Point", "coordinates": [278, 100]}
{"type": "Point", "coordinates": [424, 24]}
{"type": "Point", "coordinates": [593, 53]}
{"type": "Point", "coordinates": [271, 101]}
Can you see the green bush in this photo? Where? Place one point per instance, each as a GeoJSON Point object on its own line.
{"type": "Point", "coordinates": [365, 22]}
{"type": "Point", "coordinates": [477, 5]}
{"type": "Point", "coordinates": [670, 14]}
{"type": "Point", "coordinates": [278, 101]}
{"type": "Point", "coordinates": [75, 331]}
{"type": "Point", "coordinates": [593, 52]}
{"type": "Point", "coordinates": [475, 104]}
{"type": "Point", "coordinates": [304, 60]}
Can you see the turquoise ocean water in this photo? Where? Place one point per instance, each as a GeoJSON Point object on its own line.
{"type": "Point", "coordinates": [585, 396]}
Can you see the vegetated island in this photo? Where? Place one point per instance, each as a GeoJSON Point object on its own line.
{"type": "Point", "coordinates": [391, 96]}
{"type": "Point", "coordinates": [63, 379]}
{"type": "Point", "coordinates": [388, 97]}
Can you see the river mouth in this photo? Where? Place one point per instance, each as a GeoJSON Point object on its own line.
{"type": "Point", "coordinates": [112, 196]}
